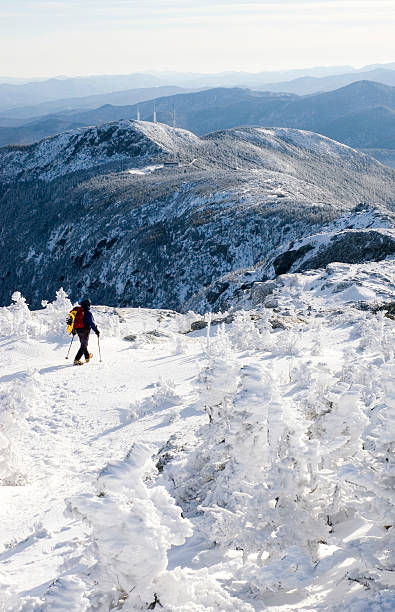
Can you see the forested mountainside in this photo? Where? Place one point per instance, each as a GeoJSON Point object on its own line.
{"type": "Point", "coordinates": [103, 213]}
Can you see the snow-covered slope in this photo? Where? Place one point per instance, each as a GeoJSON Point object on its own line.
{"type": "Point", "coordinates": [119, 142]}
{"type": "Point", "coordinates": [90, 148]}
{"type": "Point", "coordinates": [238, 468]}
{"type": "Point", "coordinates": [100, 212]}
{"type": "Point", "coordinates": [363, 234]}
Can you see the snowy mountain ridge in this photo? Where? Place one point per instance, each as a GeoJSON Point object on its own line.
{"type": "Point", "coordinates": [87, 148]}
{"type": "Point", "coordinates": [132, 141]}
{"type": "Point", "coordinates": [244, 467]}
{"type": "Point", "coordinates": [127, 229]}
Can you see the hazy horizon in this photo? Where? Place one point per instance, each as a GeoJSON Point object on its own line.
{"type": "Point", "coordinates": [48, 38]}
{"type": "Point", "coordinates": [192, 72]}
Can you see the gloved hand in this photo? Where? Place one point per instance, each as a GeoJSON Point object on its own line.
{"type": "Point", "coordinates": [97, 333]}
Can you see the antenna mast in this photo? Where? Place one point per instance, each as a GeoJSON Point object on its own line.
{"type": "Point", "coordinates": [173, 161]}
{"type": "Point", "coordinates": [154, 112]}
{"type": "Point", "coordinates": [174, 136]}
{"type": "Point", "coordinates": [138, 113]}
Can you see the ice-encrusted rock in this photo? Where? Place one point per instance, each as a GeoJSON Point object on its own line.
{"type": "Point", "coordinates": [361, 235]}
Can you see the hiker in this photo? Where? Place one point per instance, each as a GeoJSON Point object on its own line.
{"type": "Point", "coordinates": [83, 324]}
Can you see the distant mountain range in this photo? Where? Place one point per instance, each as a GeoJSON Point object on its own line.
{"type": "Point", "coordinates": [309, 85]}
{"type": "Point", "coordinates": [361, 115]}
{"type": "Point", "coordinates": [138, 213]}
{"type": "Point", "coordinates": [14, 95]}
{"type": "Point", "coordinates": [23, 114]}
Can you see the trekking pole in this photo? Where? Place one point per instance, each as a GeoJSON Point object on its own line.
{"type": "Point", "coordinates": [68, 352]}
{"type": "Point", "coordinates": [98, 342]}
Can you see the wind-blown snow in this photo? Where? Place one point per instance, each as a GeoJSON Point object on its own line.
{"type": "Point", "coordinates": [242, 467]}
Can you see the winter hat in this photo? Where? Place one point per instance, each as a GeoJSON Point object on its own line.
{"type": "Point", "coordinates": [85, 302]}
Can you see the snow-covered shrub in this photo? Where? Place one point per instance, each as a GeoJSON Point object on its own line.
{"type": "Point", "coordinates": [17, 319]}
{"type": "Point", "coordinates": [131, 524]}
{"type": "Point", "coordinates": [109, 322]}
{"type": "Point", "coordinates": [65, 594]}
{"type": "Point", "coordinates": [290, 456]}
{"type": "Point", "coordinates": [17, 403]}
{"type": "Point", "coordinates": [250, 471]}
{"type": "Point", "coordinates": [248, 333]}
{"type": "Point", "coordinates": [192, 476]}
{"type": "Point", "coordinates": [180, 346]}
{"type": "Point", "coordinates": [132, 527]}
{"type": "Point", "coordinates": [49, 323]}
{"type": "Point", "coordinates": [288, 343]}
{"type": "Point", "coordinates": [53, 318]}
{"type": "Point", "coordinates": [186, 590]}
{"type": "Point", "coordinates": [292, 462]}
{"type": "Point", "coordinates": [163, 398]}
{"type": "Point", "coordinates": [219, 379]}
{"type": "Point", "coordinates": [264, 479]}
{"type": "Point", "coordinates": [353, 476]}
{"type": "Point", "coordinates": [377, 335]}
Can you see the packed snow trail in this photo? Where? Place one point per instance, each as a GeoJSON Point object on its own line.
{"type": "Point", "coordinates": [80, 412]}
{"type": "Point", "coordinates": [243, 467]}
{"type": "Point", "coordinates": [77, 421]}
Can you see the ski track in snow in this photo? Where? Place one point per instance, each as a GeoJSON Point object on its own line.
{"type": "Point", "coordinates": [312, 390]}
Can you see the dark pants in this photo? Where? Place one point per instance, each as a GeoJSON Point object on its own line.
{"type": "Point", "coordinates": [83, 335]}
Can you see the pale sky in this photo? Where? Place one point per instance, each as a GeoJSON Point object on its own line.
{"type": "Point", "coordinates": [80, 37]}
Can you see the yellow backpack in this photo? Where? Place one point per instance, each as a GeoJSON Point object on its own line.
{"type": "Point", "coordinates": [76, 313]}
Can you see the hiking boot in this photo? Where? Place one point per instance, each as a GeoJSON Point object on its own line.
{"type": "Point", "coordinates": [87, 360]}
{"type": "Point", "coordinates": [78, 362]}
